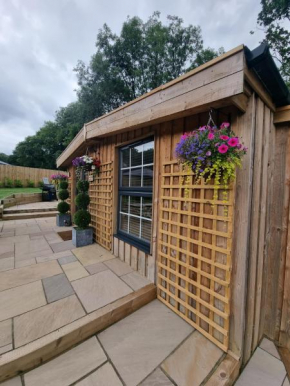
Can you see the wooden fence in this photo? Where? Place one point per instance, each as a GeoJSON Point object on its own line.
{"type": "Point", "coordinates": [25, 174]}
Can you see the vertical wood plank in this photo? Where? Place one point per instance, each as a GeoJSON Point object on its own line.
{"type": "Point", "coordinates": [244, 126]}
{"type": "Point", "coordinates": [254, 224]}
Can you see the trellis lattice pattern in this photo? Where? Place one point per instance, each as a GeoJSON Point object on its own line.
{"type": "Point", "coordinates": [194, 253]}
{"type": "Point", "coordinates": [101, 193]}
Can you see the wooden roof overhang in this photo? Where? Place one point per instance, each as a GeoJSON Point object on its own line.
{"type": "Point", "coordinates": [218, 83]}
{"type": "Point", "coordinates": [282, 115]}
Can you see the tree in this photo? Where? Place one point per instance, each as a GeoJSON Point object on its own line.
{"type": "Point", "coordinates": [205, 55]}
{"type": "Point", "coordinates": [145, 55]}
{"type": "Point", "coordinates": [273, 15]}
{"type": "Point", "coordinates": [4, 157]}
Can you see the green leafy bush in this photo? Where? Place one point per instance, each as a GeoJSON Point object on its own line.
{"type": "Point", "coordinates": [63, 185]}
{"type": "Point", "coordinates": [63, 194]}
{"type": "Point", "coordinates": [30, 184]}
{"type": "Point", "coordinates": [83, 186]}
{"type": "Point", "coordinates": [82, 218]}
{"type": "Point", "coordinates": [40, 184]}
{"type": "Point", "coordinates": [82, 200]}
{"type": "Point", "coordinates": [18, 184]}
{"type": "Point", "coordinates": [8, 183]}
{"type": "Point", "coordinates": [63, 207]}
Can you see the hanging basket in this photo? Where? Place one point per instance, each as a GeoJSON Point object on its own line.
{"type": "Point", "coordinates": [212, 154]}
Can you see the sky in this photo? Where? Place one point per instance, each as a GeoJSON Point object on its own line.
{"type": "Point", "coordinates": [41, 42]}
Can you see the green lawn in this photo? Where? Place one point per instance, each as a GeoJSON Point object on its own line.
{"type": "Point", "coordinates": [4, 192]}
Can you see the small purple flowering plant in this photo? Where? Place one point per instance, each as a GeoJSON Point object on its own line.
{"type": "Point", "coordinates": [211, 153]}
{"type": "Point", "coordinates": [58, 177]}
{"type": "Point", "coordinates": [86, 163]}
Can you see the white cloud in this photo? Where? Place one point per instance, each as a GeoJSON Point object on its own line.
{"type": "Point", "coordinates": [41, 42]}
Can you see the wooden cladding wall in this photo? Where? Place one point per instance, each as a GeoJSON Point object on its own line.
{"type": "Point", "coordinates": [23, 174]}
{"type": "Point", "coordinates": [166, 135]}
{"type": "Point", "coordinates": [276, 285]}
{"type": "Point", "coordinates": [138, 260]}
{"type": "Point", "coordinates": [101, 194]}
{"type": "Point", "coordinates": [194, 252]}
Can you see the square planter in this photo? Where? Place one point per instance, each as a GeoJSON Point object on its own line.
{"type": "Point", "coordinates": [82, 237]}
{"type": "Point", "coordinates": [63, 220]}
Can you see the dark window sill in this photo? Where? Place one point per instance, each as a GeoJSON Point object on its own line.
{"type": "Point", "coordinates": [139, 245]}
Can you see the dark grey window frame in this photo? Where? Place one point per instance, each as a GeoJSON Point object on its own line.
{"type": "Point", "coordinates": [146, 191]}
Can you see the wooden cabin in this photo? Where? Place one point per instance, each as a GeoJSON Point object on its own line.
{"type": "Point", "coordinates": [225, 272]}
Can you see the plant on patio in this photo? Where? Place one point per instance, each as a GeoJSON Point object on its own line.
{"type": "Point", "coordinates": [211, 153]}
{"type": "Point", "coordinates": [63, 218]}
{"type": "Point", "coordinates": [82, 234]}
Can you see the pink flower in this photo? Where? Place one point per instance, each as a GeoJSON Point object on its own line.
{"type": "Point", "coordinates": [184, 136]}
{"type": "Point", "coordinates": [208, 153]}
{"type": "Point", "coordinates": [217, 144]}
{"type": "Point", "coordinates": [233, 142]}
{"type": "Point", "coordinates": [225, 125]}
{"type": "Point", "coordinates": [223, 148]}
{"type": "Point", "coordinates": [203, 128]}
{"type": "Point", "coordinates": [210, 136]}
{"type": "Point", "coordinates": [224, 137]}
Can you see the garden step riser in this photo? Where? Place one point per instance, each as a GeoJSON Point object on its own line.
{"type": "Point", "coordinates": [49, 346]}
{"type": "Point", "coordinates": [15, 211]}
{"type": "Point", "coordinates": [23, 216]}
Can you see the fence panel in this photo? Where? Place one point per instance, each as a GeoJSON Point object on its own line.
{"type": "Point", "coordinates": [23, 173]}
{"type": "Point", "coordinates": [194, 252]}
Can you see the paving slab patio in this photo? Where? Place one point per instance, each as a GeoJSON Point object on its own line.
{"type": "Point", "coordinates": [46, 283]}
{"type": "Point", "coordinates": [264, 368]}
{"type": "Point", "coordinates": [132, 352]}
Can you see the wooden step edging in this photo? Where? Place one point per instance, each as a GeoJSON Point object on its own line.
{"type": "Point", "coordinates": [24, 216]}
{"type": "Point", "coordinates": [31, 210]}
{"type": "Point", "coordinates": [46, 348]}
{"type": "Point", "coordinates": [226, 372]}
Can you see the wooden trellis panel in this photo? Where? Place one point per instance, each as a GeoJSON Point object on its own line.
{"type": "Point", "coordinates": [101, 193]}
{"type": "Point", "coordinates": [194, 252]}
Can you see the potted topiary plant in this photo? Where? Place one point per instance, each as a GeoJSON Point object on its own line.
{"type": "Point", "coordinates": [63, 218]}
{"type": "Point", "coordinates": [82, 234]}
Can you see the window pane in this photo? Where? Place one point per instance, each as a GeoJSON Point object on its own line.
{"type": "Point", "coordinates": [124, 223]}
{"type": "Point", "coordinates": [146, 230]}
{"type": "Point", "coordinates": [136, 177]}
{"type": "Point", "coordinates": [125, 204]}
{"type": "Point", "coordinates": [148, 149]}
{"type": "Point", "coordinates": [135, 205]}
{"type": "Point", "coordinates": [125, 158]}
{"type": "Point", "coordinates": [125, 177]}
{"type": "Point", "coordinates": [147, 207]}
{"type": "Point", "coordinates": [134, 226]}
{"type": "Point", "coordinates": [148, 176]}
{"type": "Point", "coordinates": [136, 155]}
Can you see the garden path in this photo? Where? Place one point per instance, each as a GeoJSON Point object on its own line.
{"type": "Point", "coordinates": [46, 283]}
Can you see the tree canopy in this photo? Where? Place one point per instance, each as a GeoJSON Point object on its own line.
{"type": "Point", "coordinates": [145, 55]}
{"type": "Point", "coordinates": [273, 19]}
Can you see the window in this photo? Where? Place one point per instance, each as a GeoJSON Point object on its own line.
{"type": "Point", "coordinates": [135, 193]}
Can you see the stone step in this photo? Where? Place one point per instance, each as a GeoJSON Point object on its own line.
{"type": "Point", "coordinates": [55, 343]}
{"type": "Point", "coordinates": [29, 210]}
{"type": "Point", "coordinates": [24, 216]}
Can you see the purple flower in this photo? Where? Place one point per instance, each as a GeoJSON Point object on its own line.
{"type": "Point", "coordinates": [208, 153]}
